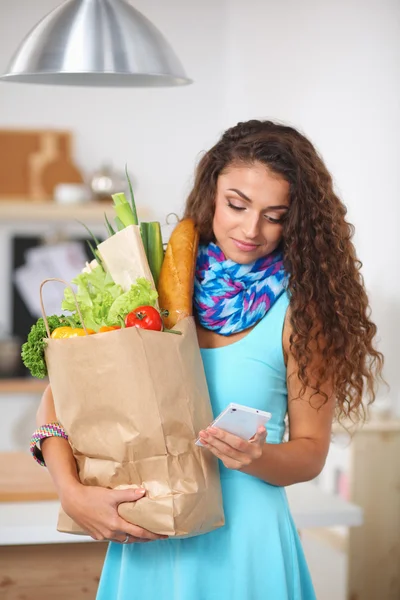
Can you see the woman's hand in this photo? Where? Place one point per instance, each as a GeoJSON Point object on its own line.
{"type": "Point", "coordinates": [234, 452]}
{"type": "Point", "coordinates": [94, 509]}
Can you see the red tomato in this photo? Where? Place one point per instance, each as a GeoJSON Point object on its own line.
{"type": "Point", "coordinates": [145, 317]}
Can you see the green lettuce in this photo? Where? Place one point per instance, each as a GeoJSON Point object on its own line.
{"type": "Point", "coordinates": [140, 294]}
{"type": "Point", "coordinates": [103, 302]}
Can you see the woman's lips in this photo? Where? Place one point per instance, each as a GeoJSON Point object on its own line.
{"type": "Point", "coordinates": [244, 246]}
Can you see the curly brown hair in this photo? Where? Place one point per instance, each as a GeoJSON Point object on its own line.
{"type": "Point", "coordinates": [330, 314]}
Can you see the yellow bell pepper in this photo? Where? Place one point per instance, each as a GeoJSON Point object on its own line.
{"type": "Point", "coordinates": [68, 332]}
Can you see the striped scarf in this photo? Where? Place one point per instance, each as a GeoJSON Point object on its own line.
{"type": "Point", "coordinates": [229, 297]}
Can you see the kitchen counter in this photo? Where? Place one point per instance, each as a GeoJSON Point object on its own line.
{"type": "Point", "coordinates": [29, 505]}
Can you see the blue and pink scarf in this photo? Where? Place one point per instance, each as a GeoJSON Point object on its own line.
{"type": "Point", "coordinates": [229, 297]}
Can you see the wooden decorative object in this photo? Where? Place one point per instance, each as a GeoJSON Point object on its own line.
{"type": "Point", "coordinates": [50, 166]}
{"type": "Point", "coordinates": [33, 162]}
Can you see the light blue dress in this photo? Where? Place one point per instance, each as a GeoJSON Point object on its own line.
{"type": "Point", "coordinates": [257, 555]}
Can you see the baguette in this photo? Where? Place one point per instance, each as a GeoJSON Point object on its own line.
{"type": "Point", "coordinates": [175, 284]}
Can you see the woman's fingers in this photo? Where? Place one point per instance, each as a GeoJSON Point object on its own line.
{"type": "Point", "coordinates": [260, 436]}
{"type": "Point", "coordinates": [230, 463]}
{"type": "Point", "coordinates": [95, 509]}
{"type": "Point", "coordinates": [216, 442]}
{"type": "Point", "coordinates": [135, 531]}
{"type": "Point", "coordinates": [234, 452]}
{"type": "Point", "coordinates": [128, 495]}
{"type": "Point", "coordinates": [123, 538]}
{"type": "Point", "coordinates": [233, 445]}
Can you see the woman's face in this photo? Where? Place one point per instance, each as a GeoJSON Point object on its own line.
{"type": "Point", "coordinates": [250, 206]}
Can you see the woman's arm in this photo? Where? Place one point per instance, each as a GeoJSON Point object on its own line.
{"type": "Point", "coordinates": [56, 451]}
{"type": "Point", "coordinates": [303, 456]}
{"type": "Point", "coordinates": [95, 509]}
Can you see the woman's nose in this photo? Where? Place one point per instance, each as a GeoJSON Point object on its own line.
{"type": "Point", "coordinates": [251, 227]}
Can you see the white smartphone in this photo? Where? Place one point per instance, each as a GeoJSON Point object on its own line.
{"type": "Point", "coordinates": [240, 420]}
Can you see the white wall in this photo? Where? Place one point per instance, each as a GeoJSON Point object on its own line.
{"type": "Point", "coordinates": [332, 69]}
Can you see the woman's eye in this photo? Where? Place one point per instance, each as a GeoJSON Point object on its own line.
{"type": "Point", "coordinates": [236, 207]}
{"type": "Point", "coordinates": [267, 217]}
{"type": "Point", "coordinates": [275, 221]}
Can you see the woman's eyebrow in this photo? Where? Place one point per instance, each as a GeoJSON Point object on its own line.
{"type": "Point", "coordinates": [247, 199]}
{"type": "Point", "coordinates": [239, 193]}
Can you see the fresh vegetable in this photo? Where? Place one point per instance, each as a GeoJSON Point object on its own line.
{"type": "Point", "coordinates": [143, 235]}
{"type": "Point", "coordinates": [110, 228]}
{"type": "Point", "coordinates": [104, 303]}
{"type": "Point", "coordinates": [123, 210]}
{"type": "Point", "coordinates": [140, 294]}
{"type": "Point", "coordinates": [68, 332]}
{"type": "Point", "coordinates": [145, 317]}
{"type": "Point", "coordinates": [153, 245]}
{"type": "Point", "coordinates": [126, 215]}
{"type": "Point", "coordinates": [133, 204]}
{"type": "Point", "coordinates": [95, 294]}
{"type": "Point", "coordinates": [33, 349]}
{"type": "Point", "coordinates": [93, 248]}
{"type": "Point", "coordinates": [106, 328]}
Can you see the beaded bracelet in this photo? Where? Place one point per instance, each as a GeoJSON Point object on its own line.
{"type": "Point", "coordinates": [54, 429]}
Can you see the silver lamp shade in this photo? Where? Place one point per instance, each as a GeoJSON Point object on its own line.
{"type": "Point", "coordinates": [96, 43]}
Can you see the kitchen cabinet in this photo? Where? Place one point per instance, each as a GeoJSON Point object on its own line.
{"type": "Point", "coordinates": [374, 548]}
{"type": "Point", "coordinates": [369, 464]}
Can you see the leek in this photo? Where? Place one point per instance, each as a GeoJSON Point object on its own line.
{"type": "Point", "coordinates": [143, 233]}
{"type": "Point", "coordinates": [132, 196]}
{"type": "Point", "coordinates": [123, 210]}
{"type": "Point", "coordinates": [119, 224]}
{"type": "Point", "coordinates": [93, 249]}
{"type": "Point", "coordinates": [110, 228]}
{"type": "Point", "coordinates": [154, 247]}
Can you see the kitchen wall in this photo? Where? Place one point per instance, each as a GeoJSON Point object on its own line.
{"type": "Point", "coordinates": [329, 68]}
{"type": "Point", "coordinates": [332, 69]}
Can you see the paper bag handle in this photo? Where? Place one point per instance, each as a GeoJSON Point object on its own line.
{"type": "Point", "coordinates": [46, 324]}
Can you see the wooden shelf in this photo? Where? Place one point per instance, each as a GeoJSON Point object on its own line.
{"type": "Point", "coordinates": [91, 212]}
{"type": "Point", "coordinates": [22, 386]}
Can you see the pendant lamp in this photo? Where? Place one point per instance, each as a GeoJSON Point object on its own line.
{"type": "Point", "coordinates": [102, 43]}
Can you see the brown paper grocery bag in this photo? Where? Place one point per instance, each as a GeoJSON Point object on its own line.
{"type": "Point", "coordinates": [132, 402]}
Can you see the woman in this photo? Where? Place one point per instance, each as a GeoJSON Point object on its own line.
{"type": "Point", "coordinates": [282, 320]}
